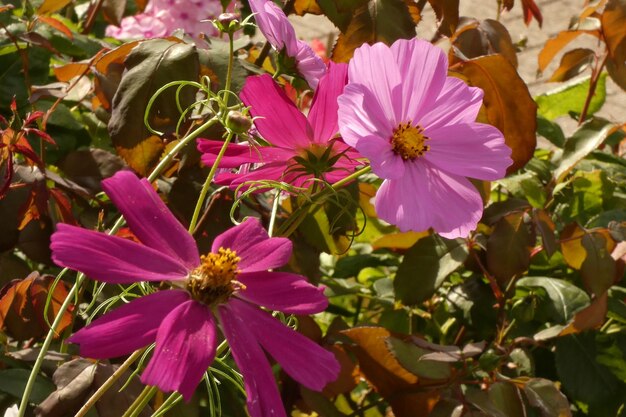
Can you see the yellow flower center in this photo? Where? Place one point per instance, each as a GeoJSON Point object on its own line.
{"type": "Point", "coordinates": [409, 141]}
{"type": "Point", "coordinates": [215, 279]}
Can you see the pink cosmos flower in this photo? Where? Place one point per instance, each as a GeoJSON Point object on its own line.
{"type": "Point", "coordinates": [302, 147]}
{"type": "Point", "coordinates": [279, 32]}
{"type": "Point", "coordinates": [224, 287]}
{"type": "Point", "coordinates": [418, 128]}
{"type": "Point", "coordinates": [162, 17]}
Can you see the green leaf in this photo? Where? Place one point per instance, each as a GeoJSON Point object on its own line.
{"type": "Point", "coordinates": [13, 382]}
{"type": "Point", "coordinates": [586, 139]}
{"type": "Point", "coordinates": [566, 299]}
{"type": "Point", "coordinates": [544, 394]}
{"type": "Point", "coordinates": [551, 131]}
{"type": "Point", "coordinates": [426, 265]}
{"type": "Point", "coordinates": [350, 266]}
{"type": "Point", "coordinates": [150, 65]}
{"type": "Point", "coordinates": [570, 97]}
{"type": "Point", "coordinates": [408, 355]}
{"type": "Point", "coordinates": [583, 378]}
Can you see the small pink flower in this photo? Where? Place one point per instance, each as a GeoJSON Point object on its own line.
{"type": "Point", "coordinates": [279, 32]}
{"type": "Point", "coordinates": [418, 128]}
{"type": "Point", "coordinates": [302, 147]}
{"type": "Point", "coordinates": [222, 288]}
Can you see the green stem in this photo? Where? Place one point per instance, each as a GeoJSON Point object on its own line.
{"type": "Point", "coordinates": [300, 213]}
{"type": "Point", "coordinates": [141, 401]}
{"type": "Point", "coordinates": [109, 382]}
{"type": "Point", "coordinates": [167, 404]}
{"type": "Point", "coordinates": [30, 384]}
{"type": "Point", "coordinates": [270, 229]}
{"type": "Point", "coordinates": [229, 72]}
{"type": "Point", "coordinates": [207, 183]}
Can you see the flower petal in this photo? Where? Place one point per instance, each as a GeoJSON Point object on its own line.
{"type": "Point", "coordinates": [258, 252]}
{"type": "Point", "coordinates": [149, 219]}
{"type": "Point", "coordinates": [262, 395]}
{"type": "Point", "coordinates": [304, 360]}
{"type": "Point", "coordinates": [385, 162]}
{"type": "Point", "coordinates": [457, 103]}
{"type": "Point", "coordinates": [375, 68]}
{"type": "Point", "coordinates": [278, 120]}
{"type": "Point", "coordinates": [309, 64]}
{"type": "Point", "coordinates": [282, 291]}
{"type": "Point", "coordinates": [360, 116]}
{"type": "Point", "coordinates": [129, 327]}
{"type": "Point", "coordinates": [423, 70]}
{"type": "Point", "coordinates": [239, 154]}
{"type": "Point", "coordinates": [473, 150]}
{"type": "Point", "coordinates": [274, 25]}
{"type": "Point", "coordinates": [185, 347]}
{"type": "Point", "coordinates": [110, 258]}
{"type": "Point", "coordinates": [323, 114]}
{"type": "Point", "coordinates": [428, 197]}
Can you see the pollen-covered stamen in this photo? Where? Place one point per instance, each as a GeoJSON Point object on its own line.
{"type": "Point", "coordinates": [214, 280]}
{"type": "Point", "coordinates": [409, 141]}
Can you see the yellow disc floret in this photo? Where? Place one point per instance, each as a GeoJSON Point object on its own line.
{"type": "Point", "coordinates": [409, 141]}
{"type": "Point", "coordinates": [215, 279]}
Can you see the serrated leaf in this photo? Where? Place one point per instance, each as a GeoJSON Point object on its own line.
{"type": "Point", "coordinates": [426, 265]}
{"type": "Point", "coordinates": [507, 103]}
{"type": "Point", "coordinates": [409, 356]}
{"type": "Point", "coordinates": [586, 139]}
{"type": "Point", "coordinates": [570, 97]}
{"type": "Point", "coordinates": [544, 394]}
{"type": "Point", "coordinates": [566, 298]}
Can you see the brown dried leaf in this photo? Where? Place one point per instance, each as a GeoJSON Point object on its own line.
{"type": "Point", "coordinates": [591, 317]}
{"type": "Point", "coordinates": [554, 45]}
{"type": "Point", "coordinates": [303, 7]}
{"type": "Point", "coordinates": [447, 12]}
{"type": "Point", "coordinates": [474, 39]}
{"type": "Point", "coordinates": [572, 63]}
{"type": "Point", "coordinates": [614, 29]}
{"type": "Point", "coordinates": [113, 11]}
{"type": "Point", "coordinates": [507, 103]}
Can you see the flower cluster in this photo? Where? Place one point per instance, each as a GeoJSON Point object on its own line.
{"type": "Point", "coordinates": [162, 17]}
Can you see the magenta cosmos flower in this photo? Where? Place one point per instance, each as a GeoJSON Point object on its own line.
{"type": "Point", "coordinates": [302, 147]}
{"type": "Point", "coordinates": [279, 32]}
{"type": "Point", "coordinates": [224, 287]}
{"type": "Point", "coordinates": [418, 128]}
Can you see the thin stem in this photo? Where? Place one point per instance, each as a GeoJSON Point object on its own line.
{"type": "Point", "coordinates": [593, 82]}
{"type": "Point", "coordinates": [263, 54]}
{"type": "Point", "coordinates": [229, 72]}
{"type": "Point", "coordinates": [140, 402]}
{"type": "Point", "coordinates": [270, 229]}
{"type": "Point", "coordinates": [207, 183]}
{"type": "Point", "coordinates": [30, 384]}
{"type": "Point", "coordinates": [109, 382]}
{"type": "Point", "coordinates": [172, 400]}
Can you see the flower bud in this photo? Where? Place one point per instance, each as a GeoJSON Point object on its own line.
{"type": "Point", "coordinates": [228, 22]}
{"type": "Point", "coordinates": [238, 122]}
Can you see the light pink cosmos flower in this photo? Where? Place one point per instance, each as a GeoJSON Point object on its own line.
{"type": "Point", "coordinates": [418, 128]}
{"type": "Point", "coordinates": [302, 147]}
{"type": "Point", "coordinates": [279, 32]}
{"type": "Point", "coordinates": [162, 17]}
{"type": "Point", "coordinates": [224, 287]}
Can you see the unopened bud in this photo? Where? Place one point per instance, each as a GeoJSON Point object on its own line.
{"type": "Point", "coordinates": [228, 22]}
{"type": "Point", "coordinates": [238, 122]}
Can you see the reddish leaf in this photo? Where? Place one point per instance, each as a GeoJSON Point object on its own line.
{"type": "Point", "coordinates": [57, 24]}
{"type": "Point", "coordinates": [572, 63]}
{"type": "Point", "coordinates": [447, 12]}
{"type": "Point", "coordinates": [531, 10]}
{"type": "Point", "coordinates": [113, 11]}
{"type": "Point", "coordinates": [614, 29]}
{"type": "Point", "coordinates": [108, 69]}
{"type": "Point", "coordinates": [591, 317]}
{"type": "Point", "coordinates": [507, 103]}
{"type": "Point", "coordinates": [509, 246]}
{"type": "Point", "coordinates": [554, 45]}
{"type": "Point", "coordinates": [589, 251]}
{"type": "Point", "coordinates": [51, 6]}
{"type": "Point", "coordinates": [22, 306]}
{"type": "Point", "coordinates": [66, 72]}
{"type": "Point", "coordinates": [488, 37]}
